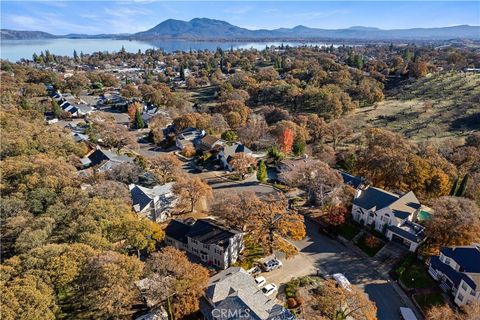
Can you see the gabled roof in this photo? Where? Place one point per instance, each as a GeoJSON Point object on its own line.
{"type": "Point", "coordinates": [402, 206]}
{"type": "Point", "coordinates": [141, 196]}
{"type": "Point", "coordinates": [409, 230]}
{"type": "Point", "coordinates": [451, 273]}
{"type": "Point", "coordinates": [468, 257]}
{"type": "Point", "coordinates": [229, 151]}
{"type": "Point", "coordinates": [99, 155]}
{"type": "Point", "coordinates": [235, 289]}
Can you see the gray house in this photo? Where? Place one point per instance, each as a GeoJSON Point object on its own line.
{"type": "Point", "coordinates": [104, 160]}
{"type": "Point", "coordinates": [233, 294]}
{"type": "Point", "coordinates": [153, 203]}
{"type": "Point", "coordinates": [227, 153]}
{"type": "Point", "coordinates": [214, 244]}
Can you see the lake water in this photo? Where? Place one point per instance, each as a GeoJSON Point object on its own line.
{"type": "Point", "coordinates": [14, 50]}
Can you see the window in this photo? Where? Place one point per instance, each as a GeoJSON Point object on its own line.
{"type": "Point", "coordinates": [460, 297]}
{"type": "Point", "coordinates": [464, 286]}
{"type": "Point", "coordinates": [206, 246]}
{"type": "Point", "coordinates": [447, 260]}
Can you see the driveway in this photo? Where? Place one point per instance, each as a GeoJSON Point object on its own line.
{"type": "Point", "coordinates": [330, 256]}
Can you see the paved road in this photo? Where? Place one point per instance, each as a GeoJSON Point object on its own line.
{"type": "Point", "coordinates": [330, 256]}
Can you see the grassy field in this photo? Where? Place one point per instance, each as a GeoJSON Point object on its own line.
{"type": "Point", "coordinates": [416, 276]}
{"type": "Point", "coordinates": [441, 105]}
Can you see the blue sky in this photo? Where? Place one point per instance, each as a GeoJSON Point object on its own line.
{"type": "Point", "coordinates": [62, 17]}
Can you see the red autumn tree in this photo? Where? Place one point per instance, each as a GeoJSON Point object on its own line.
{"type": "Point", "coordinates": [336, 215]}
{"type": "Point", "coordinates": [286, 141]}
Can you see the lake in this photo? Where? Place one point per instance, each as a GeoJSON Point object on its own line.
{"type": "Point", "coordinates": [14, 50]}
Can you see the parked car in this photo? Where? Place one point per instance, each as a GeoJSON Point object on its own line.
{"type": "Point", "coordinates": [260, 281]}
{"type": "Point", "coordinates": [269, 289]}
{"type": "Point", "coordinates": [255, 270]}
{"type": "Point", "coordinates": [272, 265]}
{"type": "Point", "coordinates": [407, 314]}
{"type": "Point", "coordinates": [342, 281]}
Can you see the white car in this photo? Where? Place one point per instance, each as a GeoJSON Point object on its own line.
{"type": "Point", "coordinates": [260, 281]}
{"type": "Point", "coordinates": [269, 289]}
{"type": "Point", "coordinates": [342, 281]}
{"type": "Point", "coordinates": [407, 314]}
{"type": "Point", "coordinates": [272, 265]}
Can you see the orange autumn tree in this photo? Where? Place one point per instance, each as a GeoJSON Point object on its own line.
{"type": "Point", "coordinates": [132, 110]}
{"type": "Point", "coordinates": [286, 141]}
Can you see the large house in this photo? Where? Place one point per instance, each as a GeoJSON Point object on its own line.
{"type": "Point", "coordinates": [153, 203]}
{"type": "Point", "coordinates": [214, 244]}
{"type": "Point", "coordinates": [391, 214]}
{"type": "Point", "coordinates": [104, 160]}
{"type": "Point", "coordinates": [458, 270]}
{"type": "Point", "coordinates": [209, 143]}
{"type": "Point", "coordinates": [227, 153]}
{"type": "Point", "coordinates": [233, 294]}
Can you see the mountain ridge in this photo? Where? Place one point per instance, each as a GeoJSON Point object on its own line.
{"type": "Point", "coordinates": [211, 29]}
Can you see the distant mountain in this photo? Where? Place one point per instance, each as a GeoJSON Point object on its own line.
{"type": "Point", "coordinates": [209, 29]}
{"type": "Point", "coordinates": [6, 34]}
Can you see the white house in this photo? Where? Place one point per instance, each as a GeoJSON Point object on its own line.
{"type": "Point", "coordinates": [225, 155]}
{"type": "Point", "coordinates": [458, 270]}
{"type": "Point", "coordinates": [214, 244]}
{"type": "Point", "coordinates": [153, 203]}
{"type": "Point", "coordinates": [391, 214]}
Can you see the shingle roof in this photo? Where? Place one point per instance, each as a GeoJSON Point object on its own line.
{"type": "Point", "coordinates": [99, 155]}
{"type": "Point", "coordinates": [375, 197]}
{"type": "Point", "coordinates": [468, 257]}
{"type": "Point", "coordinates": [451, 273]}
{"type": "Point", "coordinates": [235, 289]}
{"type": "Point", "coordinates": [351, 180]}
{"type": "Point", "coordinates": [229, 151]}
{"type": "Point", "coordinates": [141, 196]}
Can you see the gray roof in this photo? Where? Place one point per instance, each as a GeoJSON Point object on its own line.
{"type": "Point", "coordinates": [235, 289]}
{"type": "Point", "coordinates": [141, 196]}
{"type": "Point", "coordinates": [229, 151]}
{"type": "Point", "coordinates": [402, 206]}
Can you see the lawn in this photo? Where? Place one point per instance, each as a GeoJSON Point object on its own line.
{"type": "Point", "coordinates": [370, 248]}
{"type": "Point", "coordinates": [347, 230]}
{"type": "Point", "coordinates": [416, 276]}
{"type": "Point", "coordinates": [427, 300]}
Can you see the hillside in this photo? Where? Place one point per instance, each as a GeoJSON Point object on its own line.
{"type": "Point", "coordinates": [6, 34]}
{"type": "Point", "coordinates": [439, 106]}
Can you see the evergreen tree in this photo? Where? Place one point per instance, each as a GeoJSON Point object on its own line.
{"type": "Point", "coordinates": [298, 145]}
{"type": "Point", "coordinates": [139, 124]}
{"type": "Point", "coordinates": [262, 172]}
{"type": "Point", "coordinates": [75, 55]}
{"type": "Point", "coordinates": [463, 187]}
{"type": "Point", "coordinates": [182, 72]}
{"type": "Point", "coordinates": [454, 189]}
{"type": "Point", "coordinates": [57, 111]}
{"type": "Point", "coordinates": [35, 57]}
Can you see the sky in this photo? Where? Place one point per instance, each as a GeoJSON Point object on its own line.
{"type": "Point", "coordinates": [129, 16]}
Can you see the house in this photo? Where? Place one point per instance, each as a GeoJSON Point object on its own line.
{"type": "Point", "coordinates": [214, 244]}
{"type": "Point", "coordinates": [104, 160]}
{"type": "Point", "coordinates": [234, 294]}
{"type": "Point", "coordinates": [458, 271]}
{"type": "Point", "coordinates": [226, 154]}
{"type": "Point", "coordinates": [153, 203]}
{"type": "Point", "coordinates": [391, 214]}
{"type": "Point", "coordinates": [209, 142]}
{"type": "Point", "coordinates": [189, 137]}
